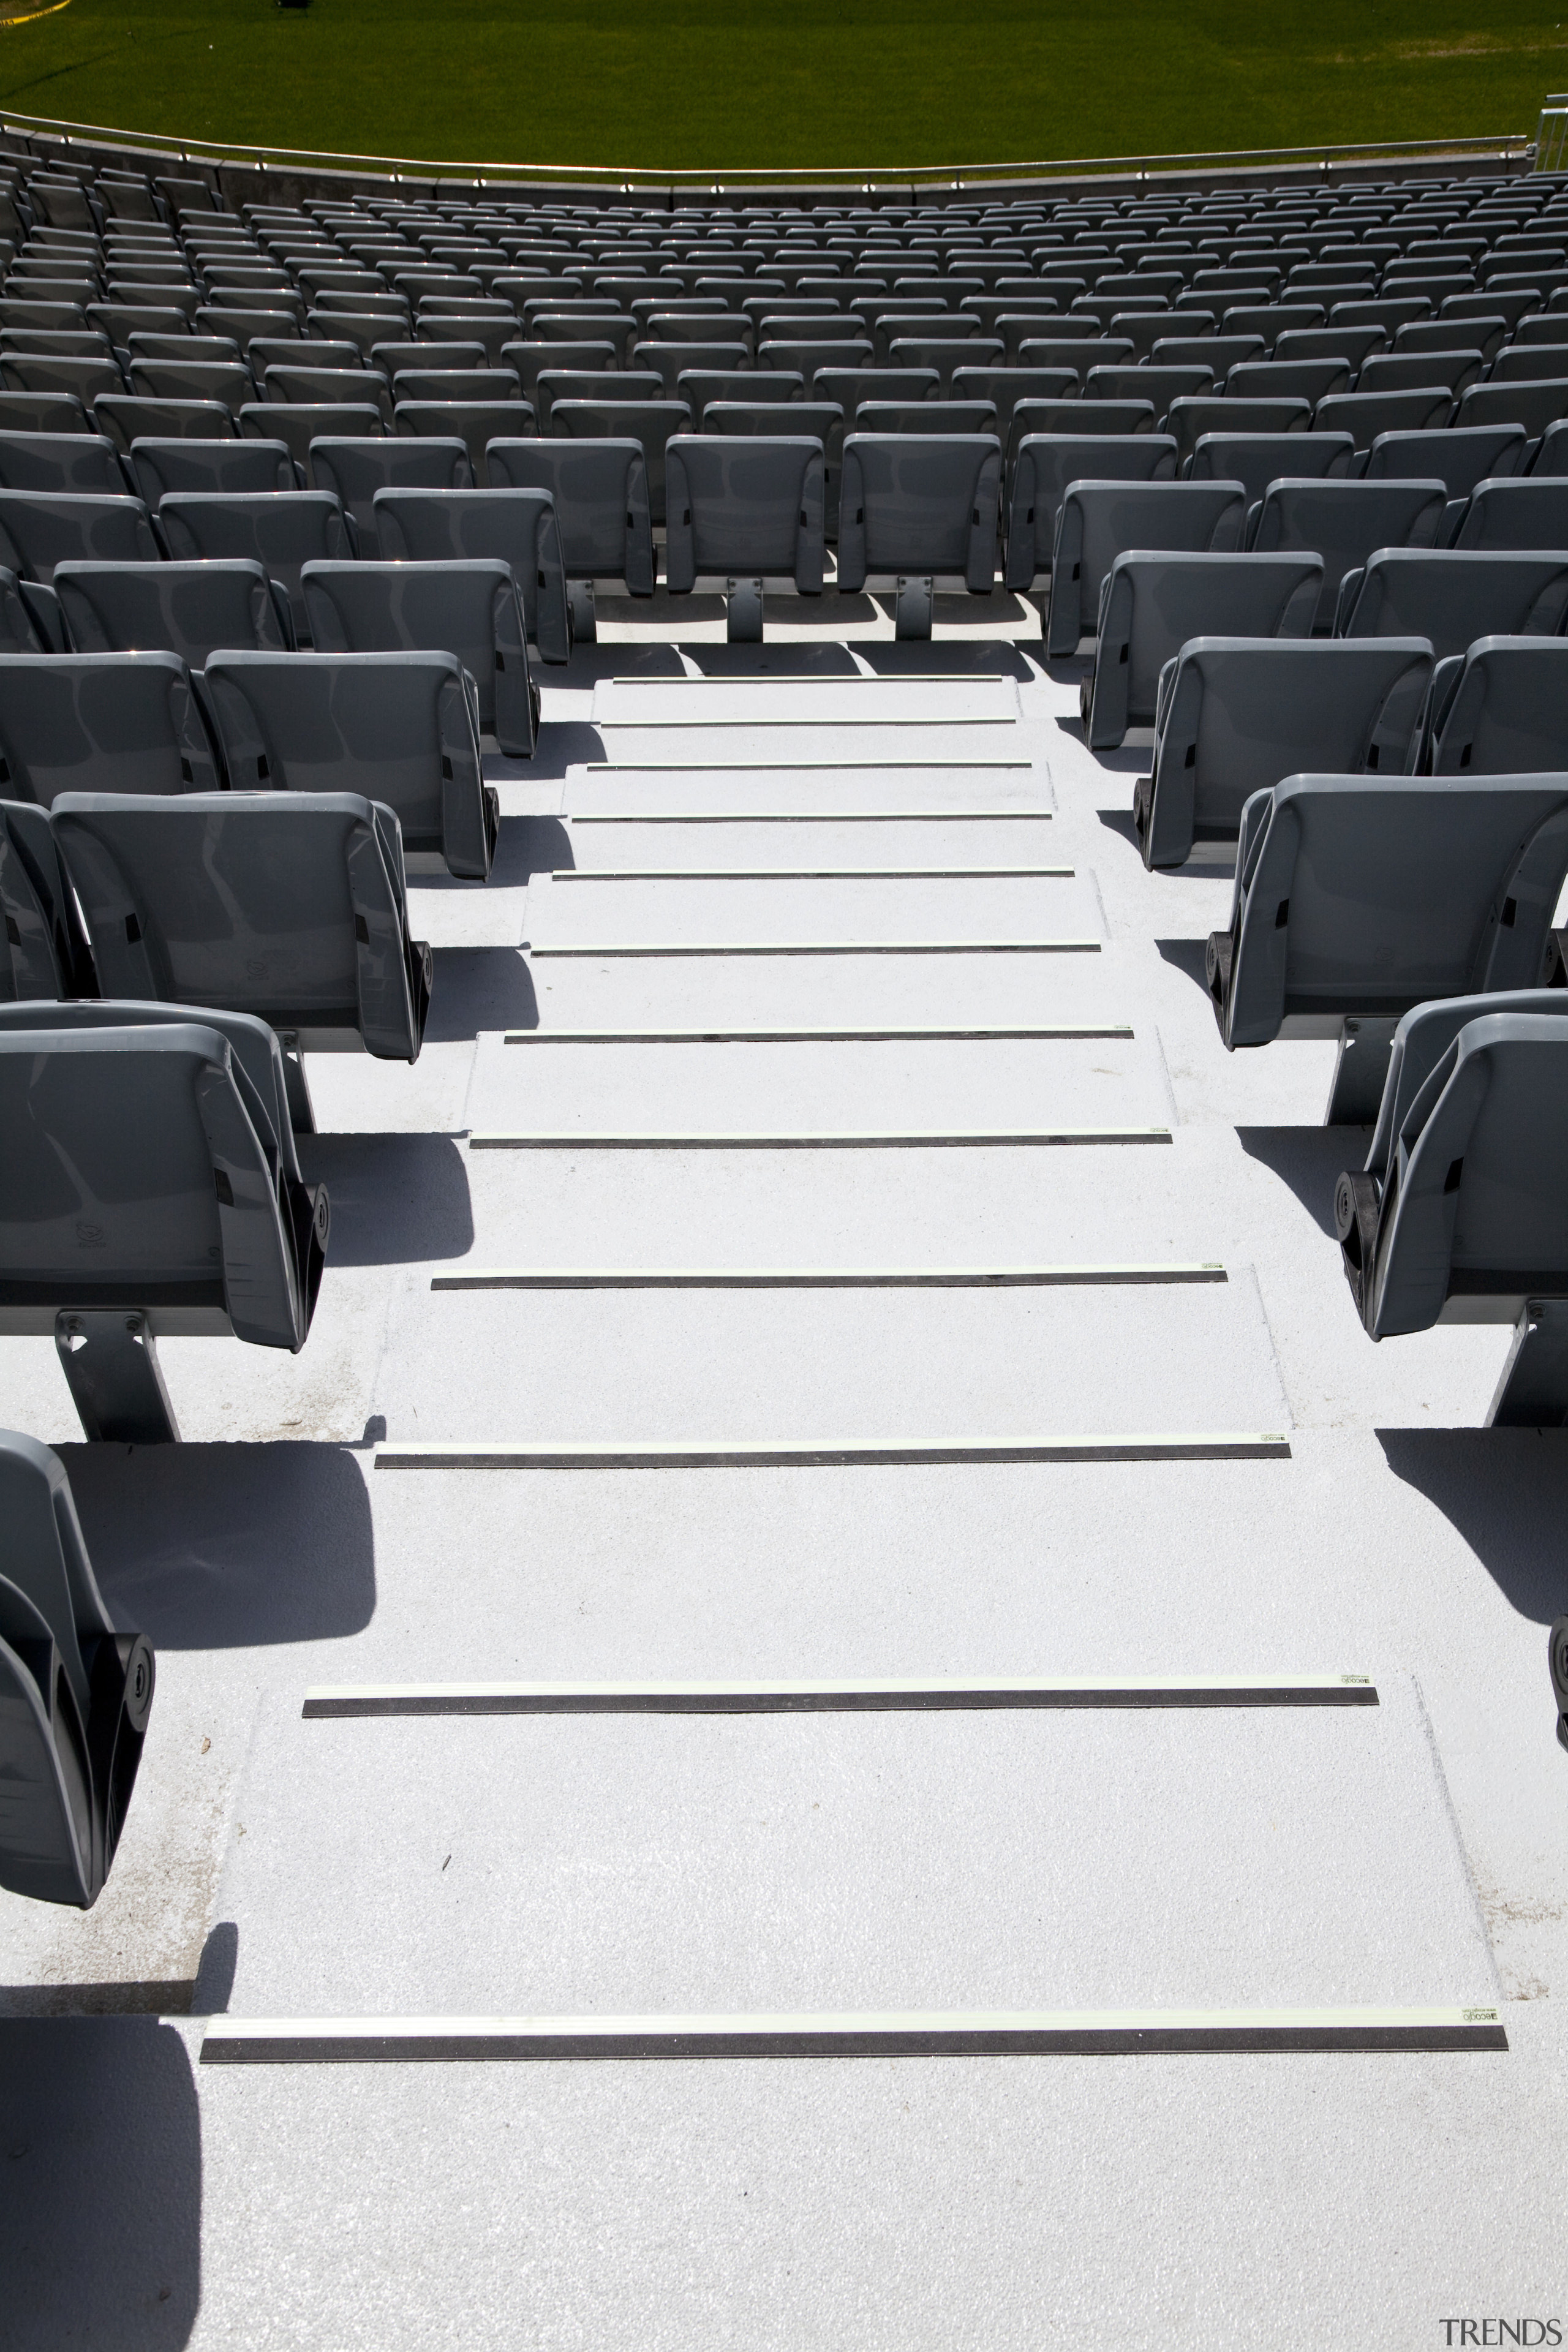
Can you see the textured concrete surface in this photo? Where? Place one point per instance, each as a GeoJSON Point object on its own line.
{"type": "Point", "coordinates": [1411, 1853]}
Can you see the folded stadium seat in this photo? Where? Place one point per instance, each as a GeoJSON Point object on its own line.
{"type": "Point", "coordinates": [1453, 598]}
{"type": "Point", "coordinates": [293, 384]}
{"type": "Point", "coordinates": [1459, 456]}
{"type": "Point", "coordinates": [1098, 520]}
{"type": "Point", "coordinates": [1530, 513]}
{"type": "Point", "coordinates": [1235, 715]}
{"type": "Point", "coordinates": [15, 312]}
{"type": "Point", "coordinates": [600, 494]}
{"type": "Point", "coordinates": [1453, 1218]}
{"type": "Point", "coordinates": [1346, 521]}
{"type": "Point", "coordinates": [1366, 415]}
{"type": "Point", "coordinates": [353, 470]}
{"type": "Point", "coordinates": [744, 512]}
{"type": "Point", "coordinates": [292, 352]}
{"type": "Point", "coordinates": [44, 950]}
{"type": "Point", "coordinates": [475, 423]}
{"type": "Point", "coordinates": [531, 362]}
{"type": "Point", "coordinates": [189, 609]}
{"type": "Point", "coordinates": [667, 362]}
{"type": "Point", "coordinates": [246, 327]}
{"type": "Point", "coordinates": [471, 609]}
{"type": "Point", "coordinates": [850, 385]}
{"type": "Point", "coordinates": [1353, 345]}
{"type": "Point", "coordinates": [362, 331]}
{"type": "Point", "coordinates": [1256, 459]}
{"type": "Point", "coordinates": [589, 324]}
{"type": "Point", "coordinates": [391, 357]}
{"type": "Point", "coordinates": [517, 526]}
{"type": "Point", "coordinates": [1518, 364]}
{"type": "Point", "coordinates": [925, 416]}
{"type": "Point", "coordinates": [916, 508]}
{"type": "Point", "coordinates": [125, 417]}
{"type": "Point", "coordinates": [441, 384]}
{"type": "Point", "coordinates": [1004, 387]}
{"type": "Point", "coordinates": [72, 343]}
{"type": "Point", "coordinates": [1190, 419]}
{"type": "Point", "coordinates": [1499, 708]}
{"type": "Point", "coordinates": [291, 907]}
{"type": "Point", "coordinates": [111, 722]}
{"type": "Point", "coordinates": [1159, 385]}
{"type": "Point", "coordinates": [228, 382]}
{"type": "Point", "coordinates": [1151, 604]}
{"type": "Point", "coordinates": [83, 378]}
{"type": "Point", "coordinates": [1336, 920]}
{"type": "Point", "coordinates": [1045, 465]}
{"type": "Point", "coordinates": [407, 723]}
{"type": "Point", "coordinates": [147, 343]}
{"type": "Point", "coordinates": [83, 462]}
{"type": "Point", "coordinates": [40, 528]}
{"type": "Point", "coordinates": [1288, 379]}
{"type": "Point", "coordinates": [1447, 333]}
{"type": "Point", "coordinates": [1537, 406]}
{"type": "Point", "coordinates": [943, 352]}
{"type": "Point", "coordinates": [442, 333]}
{"type": "Point", "coordinates": [650, 422]}
{"type": "Point", "coordinates": [279, 530]}
{"type": "Point", "coordinates": [799, 357]}
{"type": "Point", "coordinates": [1537, 327]}
{"type": "Point", "coordinates": [1454, 372]}
{"type": "Point", "coordinates": [75, 1692]}
{"type": "Point", "coordinates": [1078, 419]}
{"type": "Point", "coordinates": [298, 426]}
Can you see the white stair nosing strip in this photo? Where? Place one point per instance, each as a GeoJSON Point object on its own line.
{"type": "Point", "coordinates": [818, 683]}
{"type": "Point", "coordinates": [916, 1139]}
{"type": "Point", "coordinates": [1055, 1033]}
{"type": "Point", "coordinates": [869, 1694]}
{"type": "Point", "coordinates": [322, 2040]}
{"type": "Point", "coordinates": [785, 767]}
{"type": "Point", "coordinates": [809, 816]}
{"type": "Point", "coordinates": [694, 1453]}
{"type": "Point", "coordinates": [633, 726]}
{"type": "Point", "coordinates": [656, 947]}
{"type": "Point", "coordinates": [721, 1277]}
{"type": "Point", "coordinates": [812, 874]}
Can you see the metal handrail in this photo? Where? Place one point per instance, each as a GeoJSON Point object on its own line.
{"type": "Point", "coordinates": [630, 176]}
{"type": "Point", "coordinates": [1552, 136]}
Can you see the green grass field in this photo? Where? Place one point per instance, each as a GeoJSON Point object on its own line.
{"type": "Point", "coordinates": [702, 83]}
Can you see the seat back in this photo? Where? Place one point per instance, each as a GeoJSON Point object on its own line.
{"type": "Point", "coordinates": [1345, 521]}
{"type": "Point", "coordinates": [1151, 604]}
{"type": "Point", "coordinates": [43, 946]}
{"type": "Point", "coordinates": [1516, 514]}
{"type": "Point", "coordinates": [650, 423]}
{"type": "Point", "coordinates": [1458, 455]}
{"type": "Point", "coordinates": [401, 727]}
{"type": "Point", "coordinates": [471, 609]}
{"type": "Point", "coordinates": [749, 504]}
{"type": "Point", "coordinates": [1045, 464]}
{"type": "Point", "coordinates": [188, 609]}
{"type": "Point", "coordinates": [1452, 598]}
{"type": "Point", "coordinates": [40, 528]}
{"type": "Point", "coordinates": [61, 461]}
{"type": "Point", "coordinates": [1507, 712]}
{"type": "Point", "coordinates": [1238, 714]}
{"type": "Point", "coordinates": [160, 466]}
{"type": "Point", "coordinates": [353, 470]}
{"type": "Point", "coordinates": [281, 530]}
{"type": "Point", "coordinates": [1256, 459]}
{"type": "Point", "coordinates": [101, 722]}
{"type": "Point", "coordinates": [1099, 521]}
{"type": "Point", "coordinates": [910, 502]}
{"type": "Point", "coordinates": [599, 490]}
{"type": "Point", "coordinates": [288, 905]}
{"type": "Point", "coordinates": [516, 526]}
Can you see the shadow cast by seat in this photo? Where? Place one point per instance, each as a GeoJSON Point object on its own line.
{"type": "Point", "coordinates": [614, 657]}
{"type": "Point", "coordinates": [228, 1546]}
{"type": "Point", "coordinates": [950, 657]}
{"type": "Point", "coordinates": [396, 1200]}
{"type": "Point", "coordinates": [1309, 1161]}
{"type": "Point", "coordinates": [100, 2222]}
{"type": "Point", "coordinates": [480, 987]}
{"type": "Point", "coordinates": [776, 658]}
{"type": "Point", "coordinates": [565, 743]}
{"type": "Point", "coordinates": [1183, 955]}
{"type": "Point", "coordinates": [1506, 1492]}
{"type": "Point", "coordinates": [1120, 820]}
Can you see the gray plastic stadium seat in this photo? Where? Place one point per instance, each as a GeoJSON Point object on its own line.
{"type": "Point", "coordinates": [1459, 456]}
{"type": "Point", "coordinates": [649, 422]}
{"type": "Point", "coordinates": [162, 467]}
{"type": "Point", "coordinates": [1503, 708]}
{"type": "Point", "coordinates": [281, 530]}
{"type": "Point", "coordinates": [1151, 604]}
{"type": "Point", "coordinates": [298, 427]}
{"type": "Point", "coordinates": [1077, 418]}
{"type": "Point", "coordinates": [405, 723]}
{"type": "Point", "coordinates": [40, 528]}
{"type": "Point", "coordinates": [1044, 465]}
{"type": "Point", "coordinates": [1516, 513]}
{"type": "Point", "coordinates": [850, 385]}
{"type": "Point", "coordinates": [61, 461]}
{"type": "Point", "coordinates": [228, 382]}
{"type": "Point", "coordinates": [128, 417]}
{"type": "Point", "coordinates": [83, 378]}
{"type": "Point", "coordinates": [1537, 406]}
{"type": "Point", "coordinates": [189, 609]}
{"type": "Point", "coordinates": [1411, 371]}
{"type": "Point", "coordinates": [43, 948]}
{"type": "Point", "coordinates": [353, 470]}
{"type": "Point", "coordinates": [1346, 522]}
{"type": "Point", "coordinates": [1256, 459]}
{"type": "Point", "coordinates": [517, 526]}
{"type": "Point", "coordinates": [1455, 1216]}
{"type": "Point", "coordinates": [912, 505]}
{"type": "Point", "coordinates": [475, 423]}
{"type": "Point", "coordinates": [1236, 715]}
{"type": "Point", "coordinates": [600, 493]}
{"type": "Point", "coordinates": [75, 1693]}
{"type": "Point", "coordinates": [1364, 415]}
{"type": "Point", "coordinates": [1288, 379]}
{"type": "Point", "coordinates": [1189, 420]}
{"type": "Point", "coordinates": [1452, 598]}
{"type": "Point", "coordinates": [1358, 897]}
{"type": "Point", "coordinates": [751, 508]}
{"type": "Point", "coordinates": [288, 905]}
{"type": "Point", "coordinates": [296, 384]}
{"type": "Point", "coordinates": [470, 609]}
{"type": "Point", "coordinates": [1101, 520]}
{"type": "Point", "coordinates": [114, 722]}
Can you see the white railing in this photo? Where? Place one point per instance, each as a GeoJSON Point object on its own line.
{"type": "Point", "coordinates": [1551, 135]}
{"type": "Point", "coordinates": [865, 178]}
